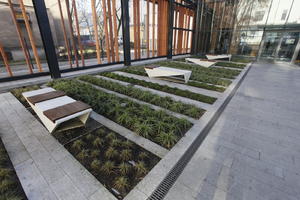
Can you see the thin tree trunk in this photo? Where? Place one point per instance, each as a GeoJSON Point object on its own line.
{"type": "Point", "coordinates": [111, 35]}
{"type": "Point", "coordinates": [21, 39]}
{"type": "Point", "coordinates": [65, 33]}
{"type": "Point", "coordinates": [115, 30]}
{"type": "Point", "coordinates": [96, 31]}
{"type": "Point", "coordinates": [147, 25]}
{"type": "Point", "coordinates": [153, 28]}
{"type": "Point", "coordinates": [106, 31]}
{"type": "Point", "coordinates": [5, 60]}
{"type": "Point", "coordinates": [72, 32]}
{"type": "Point", "coordinates": [78, 32]}
{"type": "Point", "coordinates": [31, 38]}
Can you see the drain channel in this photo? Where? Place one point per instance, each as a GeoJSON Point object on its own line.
{"type": "Point", "coordinates": [160, 192]}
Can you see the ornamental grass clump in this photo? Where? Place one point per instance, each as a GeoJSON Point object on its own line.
{"type": "Point", "coordinates": [121, 184]}
{"type": "Point", "coordinates": [124, 168]}
{"type": "Point", "coordinates": [146, 96]}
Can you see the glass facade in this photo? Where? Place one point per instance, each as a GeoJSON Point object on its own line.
{"type": "Point", "coordinates": [254, 28]}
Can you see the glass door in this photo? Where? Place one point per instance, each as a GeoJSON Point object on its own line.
{"type": "Point", "coordinates": [271, 42]}
{"type": "Point", "coordinates": [287, 47]}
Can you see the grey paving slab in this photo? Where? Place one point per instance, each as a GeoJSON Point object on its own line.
{"type": "Point", "coordinates": [251, 152]}
{"type": "Point", "coordinates": [45, 168]}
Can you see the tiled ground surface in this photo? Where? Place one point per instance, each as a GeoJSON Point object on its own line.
{"type": "Point", "coordinates": [252, 152]}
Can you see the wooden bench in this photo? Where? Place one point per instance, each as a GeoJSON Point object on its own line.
{"type": "Point", "coordinates": [56, 110]}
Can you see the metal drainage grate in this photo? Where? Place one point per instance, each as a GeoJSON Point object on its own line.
{"type": "Point", "coordinates": [160, 192]}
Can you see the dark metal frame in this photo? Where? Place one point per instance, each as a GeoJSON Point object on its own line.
{"type": "Point", "coordinates": [126, 32]}
{"type": "Point", "coordinates": [170, 29]}
{"type": "Point", "coordinates": [46, 35]}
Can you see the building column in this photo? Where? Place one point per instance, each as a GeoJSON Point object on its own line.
{"type": "Point", "coordinates": [46, 35]}
{"type": "Point", "coordinates": [126, 32]}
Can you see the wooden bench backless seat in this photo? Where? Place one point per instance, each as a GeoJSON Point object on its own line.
{"type": "Point", "coordinates": [151, 66]}
{"type": "Point", "coordinates": [65, 110]}
{"type": "Point", "coordinates": [46, 96]}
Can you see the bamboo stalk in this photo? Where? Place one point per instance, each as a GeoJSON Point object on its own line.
{"type": "Point", "coordinates": [106, 31]}
{"type": "Point", "coordinates": [184, 32]}
{"type": "Point", "coordinates": [72, 32]}
{"type": "Point", "coordinates": [115, 30]}
{"type": "Point", "coordinates": [31, 38]}
{"type": "Point", "coordinates": [180, 32]}
{"type": "Point", "coordinates": [22, 43]}
{"type": "Point", "coordinates": [5, 60]}
{"type": "Point", "coordinates": [188, 32]}
{"type": "Point", "coordinates": [175, 30]}
{"type": "Point", "coordinates": [148, 32]}
{"type": "Point", "coordinates": [65, 33]}
{"type": "Point", "coordinates": [111, 36]}
{"type": "Point", "coordinates": [96, 31]}
{"type": "Point", "coordinates": [138, 29]}
{"type": "Point", "coordinates": [134, 29]}
{"type": "Point", "coordinates": [153, 28]}
{"type": "Point", "coordinates": [193, 15]}
{"type": "Point", "coordinates": [157, 18]}
{"type": "Point", "coordinates": [78, 33]}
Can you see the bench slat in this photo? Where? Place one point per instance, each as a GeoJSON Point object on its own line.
{"type": "Point", "coordinates": [46, 96]}
{"type": "Point", "coordinates": [65, 110]}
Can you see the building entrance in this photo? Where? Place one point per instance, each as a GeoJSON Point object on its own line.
{"type": "Point", "coordinates": [280, 46]}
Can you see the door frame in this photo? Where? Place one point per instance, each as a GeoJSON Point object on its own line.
{"type": "Point", "coordinates": [296, 51]}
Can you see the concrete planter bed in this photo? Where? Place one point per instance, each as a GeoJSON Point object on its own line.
{"type": "Point", "coordinates": [139, 71]}
{"type": "Point", "coordinates": [164, 102]}
{"type": "Point", "coordinates": [10, 187]}
{"type": "Point", "coordinates": [165, 88]}
{"type": "Point", "coordinates": [204, 76]}
{"type": "Point", "coordinates": [116, 162]}
{"type": "Point", "coordinates": [156, 126]}
{"type": "Point", "coordinates": [140, 129]}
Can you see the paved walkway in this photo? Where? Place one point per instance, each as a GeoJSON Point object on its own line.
{"type": "Point", "coordinates": [253, 151]}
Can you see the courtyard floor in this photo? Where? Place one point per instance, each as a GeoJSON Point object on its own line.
{"type": "Point", "coordinates": [252, 152]}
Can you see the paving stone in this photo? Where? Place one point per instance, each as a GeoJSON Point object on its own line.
{"type": "Point", "coordinates": [65, 190]}
{"type": "Point", "coordinates": [33, 183]}
{"type": "Point", "coordinates": [253, 149]}
{"type": "Point", "coordinates": [180, 192]}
